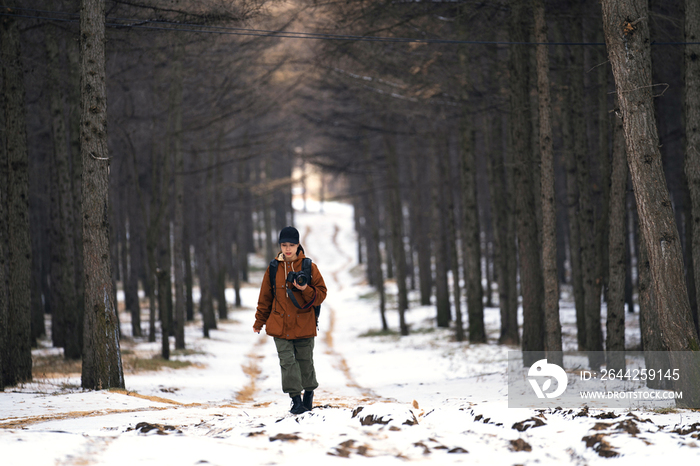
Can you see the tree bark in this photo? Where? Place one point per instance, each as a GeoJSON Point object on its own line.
{"type": "Point", "coordinates": [652, 342]}
{"type": "Point", "coordinates": [553, 343]}
{"type": "Point", "coordinates": [472, 236]}
{"type": "Point", "coordinates": [421, 228]}
{"type": "Point", "coordinates": [179, 199]}
{"type": "Point", "coordinates": [102, 365]}
{"type": "Point", "coordinates": [448, 207]}
{"type": "Point", "coordinates": [18, 363]}
{"type": "Point", "coordinates": [531, 282]}
{"type": "Point", "coordinates": [3, 261]}
{"type": "Point", "coordinates": [396, 215]}
{"type": "Point", "coordinates": [627, 38]}
{"type": "Point", "coordinates": [374, 260]}
{"type": "Point", "coordinates": [63, 264]}
{"type": "Point", "coordinates": [604, 166]}
{"type": "Point", "coordinates": [437, 233]}
{"type": "Point", "coordinates": [504, 246]}
{"type": "Point", "coordinates": [189, 280]}
{"type": "Point", "coordinates": [163, 279]}
{"type": "Point", "coordinates": [586, 213]}
{"type": "Point", "coordinates": [130, 278]}
{"type": "Point", "coordinates": [74, 116]}
{"type": "Point", "coordinates": [615, 324]}
{"type": "Point", "coordinates": [692, 132]}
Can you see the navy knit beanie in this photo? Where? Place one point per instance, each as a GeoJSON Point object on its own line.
{"type": "Point", "coordinates": [289, 235]}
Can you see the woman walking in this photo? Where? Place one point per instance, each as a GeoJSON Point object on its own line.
{"type": "Point", "coordinates": [292, 287]}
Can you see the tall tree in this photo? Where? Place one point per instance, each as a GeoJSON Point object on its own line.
{"type": "Point", "coordinates": [615, 324]}
{"type": "Point", "coordinates": [102, 364]}
{"type": "Point", "coordinates": [472, 235]}
{"type": "Point", "coordinates": [503, 232]}
{"type": "Point", "coordinates": [374, 261]}
{"type": "Point", "coordinates": [521, 133]}
{"type": "Point", "coordinates": [63, 255]}
{"type": "Point", "coordinates": [444, 163]}
{"type": "Point", "coordinates": [395, 209]}
{"type": "Point", "coordinates": [179, 207]}
{"type": "Point", "coordinates": [692, 129]}
{"type": "Point", "coordinates": [627, 38]}
{"type": "Point", "coordinates": [73, 51]}
{"type": "Point", "coordinates": [549, 209]}
{"type": "Point", "coordinates": [3, 275]}
{"type": "Point", "coordinates": [586, 208]}
{"type": "Point", "coordinates": [18, 360]}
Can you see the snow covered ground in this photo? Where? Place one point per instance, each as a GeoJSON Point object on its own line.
{"type": "Point", "coordinates": [381, 400]}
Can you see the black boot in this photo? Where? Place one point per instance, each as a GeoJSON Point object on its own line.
{"type": "Point", "coordinates": [297, 405]}
{"type": "Point", "coordinates": [309, 400]}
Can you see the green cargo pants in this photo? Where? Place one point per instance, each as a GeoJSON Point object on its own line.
{"type": "Point", "coordinates": [297, 364]}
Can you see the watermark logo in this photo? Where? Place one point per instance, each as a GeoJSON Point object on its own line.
{"type": "Point", "coordinates": [542, 368]}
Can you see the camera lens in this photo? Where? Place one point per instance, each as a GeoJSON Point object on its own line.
{"type": "Point", "coordinates": [301, 280]}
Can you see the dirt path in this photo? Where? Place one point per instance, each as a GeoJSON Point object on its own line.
{"type": "Point", "coordinates": [341, 364]}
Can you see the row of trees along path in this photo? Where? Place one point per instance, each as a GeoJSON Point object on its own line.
{"type": "Point", "coordinates": [420, 114]}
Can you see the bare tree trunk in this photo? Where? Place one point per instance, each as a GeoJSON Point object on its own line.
{"type": "Point", "coordinates": [63, 265]}
{"type": "Point", "coordinates": [165, 302]}
{"type": "Point", "coordinates": [627, 37]}
{"type": "Point", "coordinates": [206, 251]}
{"type": "Point", "coordinates": [220, 238]}
{"type": "Point", "coordinates": [503, 233]}
{"type": "Point", "coordinates": [373, 247]}
{"type": "Point", "coordinates": [603, 218]}
{"type": "Point", "coordinates": [179, 200]}
{"type": "Point", "coordinates": [4, 285]}
{"type": "Point", "coordinates": [102, 365]}
{"type": "Point", "coordinates": [615, 325]}
{"type": "Point", "coordinates": [18, 363]}
{"type": "Point", "coordinates": [437, 232]}
{"type": "Point", "coordinates": [55, 259]}
{"type": "Point", "coordinates": [39, 279]}
{"type": "Point", "coordinates": [692, 133]}
{"type": "Point", "coordinates": [77, 184]}
{"type": "Point", "coordinates": [163, 279]}
{"type": "Point", "coordinates": [151, 246]}
{"type": "Point", "coordinates": [444, 165]}
{"type": "Point", "coordinates": [420, 200]}
{"type": "Point", "coordinates": [396, 215]}
{"type": "Point", "coordinates": [3, 305]}
{"type": "Point", "coordinates": [245, 230]}
{"type": "Point", "coordinates": [586, 217]}
{"type": "Point", "coordinates": [189, 280]}
{"type": "Point", "coordinates": [472, 236]}
{"type": "Point", "coordinates": [267, 214]}
{"type": "Point", "coordinates": [532, 287]}
{"type": "Point", "coordinates": [549, 209]}
{"type": "Point", "coordinates": [564, 61]}
{"type": "Point", "coordinates": [131, 284]}
{"type": "Point", "coordinates": [652, 341]}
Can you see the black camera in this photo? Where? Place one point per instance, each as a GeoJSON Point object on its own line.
{"type": "Point", "coordinates": [300, 277]}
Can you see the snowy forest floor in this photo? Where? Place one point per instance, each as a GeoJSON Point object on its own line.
{"type": "Point", "coordinates": [383, 399]}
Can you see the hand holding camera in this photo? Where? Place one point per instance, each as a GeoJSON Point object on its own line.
{"type": "Point", "coordinates": [298, 279]}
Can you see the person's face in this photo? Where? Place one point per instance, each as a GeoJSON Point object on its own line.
{"type": "Point", "coordinates": [289, 249]}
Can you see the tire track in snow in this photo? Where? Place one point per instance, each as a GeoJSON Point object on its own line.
{"type": "Point", "coordinates": [252, 369]}
{"type": "Point", "coordinates": [341, 363]}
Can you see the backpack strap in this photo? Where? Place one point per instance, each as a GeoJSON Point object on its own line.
{"type": "Point", "coordinates": [306, 266]}
{"type": "Point", "coordinates": [273, 275]}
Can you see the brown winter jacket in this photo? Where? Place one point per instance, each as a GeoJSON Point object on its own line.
{"type": "Point", "coordinates": [281, 317]}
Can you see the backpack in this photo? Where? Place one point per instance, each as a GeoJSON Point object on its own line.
{"type": "Point", "coordinates": [306, 268]}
